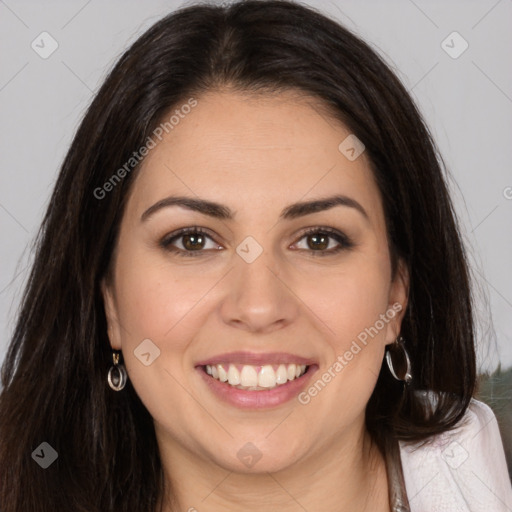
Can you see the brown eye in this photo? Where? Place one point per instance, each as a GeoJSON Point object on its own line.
{"type": "Point", "coordinates": [318, 241]}
{"type": "Point", "coordinates": [189, 242]}
{"type": "Point", "coordinates": [325, 241]}
{"type": "Point", "coordinates": [193, 242]}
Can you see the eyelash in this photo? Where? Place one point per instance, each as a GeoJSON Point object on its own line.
{"type": "Point", "coordinates": [343, 241]}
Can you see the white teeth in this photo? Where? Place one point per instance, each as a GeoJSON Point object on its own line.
{"type": "Point", "coordinates": [249, 378]}
{"type": "Point", "coordinates": [233, 375]}
{"type": "Point", "coordinates": [281, 374]}
{"type": "Point", "coordinates": [223, 376]}
{"type": "Point", "coordinates": [267, 377]}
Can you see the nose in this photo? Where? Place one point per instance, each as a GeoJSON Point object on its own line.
{"type": "Point", "coordinates": [259, 298]}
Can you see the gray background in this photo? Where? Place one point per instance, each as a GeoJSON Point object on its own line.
{"type": "Point", "coordinates": [466, 101]}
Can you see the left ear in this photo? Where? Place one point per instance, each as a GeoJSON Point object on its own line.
{"type": "Point", "coordinates": [398, 298]}
{"type": "Point", "coordinates": [114, 331]}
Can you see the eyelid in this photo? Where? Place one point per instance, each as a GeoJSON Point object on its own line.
{"type": "Point", "coordinates": [167, 239]}
{"type": "Point", "coordinates": [344, 242]}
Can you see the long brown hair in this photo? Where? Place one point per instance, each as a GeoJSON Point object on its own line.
{"type": "Point", "coordinates": [54, 375]}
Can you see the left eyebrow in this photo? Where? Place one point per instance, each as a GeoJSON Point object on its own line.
{"type": "Point", "coordinates": [305, 208]}
{"type": "Point", "coordinates": [220, 211]}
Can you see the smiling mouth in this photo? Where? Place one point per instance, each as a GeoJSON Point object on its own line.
{"type": "Point", "coordinates": [255, 378]}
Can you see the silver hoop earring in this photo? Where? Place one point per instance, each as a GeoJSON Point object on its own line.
{"type": "Point", "coordinates": [398, 361]}
{"type": "Point", "coordinates": [117, 376]}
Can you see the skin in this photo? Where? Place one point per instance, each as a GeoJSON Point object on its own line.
{"type": "Point", "coordinates": [257, 155]}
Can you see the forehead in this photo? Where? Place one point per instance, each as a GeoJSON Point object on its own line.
{"type": "Point", "coordinates": [254, 151]}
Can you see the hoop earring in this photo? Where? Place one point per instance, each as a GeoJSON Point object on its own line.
{"type": "Point", "coordinates": [117, 376]}
{"type": "Point", "coordinates": [397, 357]}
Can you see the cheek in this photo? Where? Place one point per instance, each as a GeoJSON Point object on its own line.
{"type": "Point", "coordinates": [154, 305]}
{"type": "Point", "coordinates": [152, 300]}
{"type": "Point", "coordinates": [350, 301]}
{"type": "Point", "coordinates": [350, 306]}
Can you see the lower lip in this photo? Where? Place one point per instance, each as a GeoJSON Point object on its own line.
{"type": "Point", "coordinates": [257, 399]}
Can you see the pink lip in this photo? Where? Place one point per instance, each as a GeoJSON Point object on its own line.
{"type": "Point", "coordinates": [244, 399]}
{"type": "Point", "coordinates": [256, 359]}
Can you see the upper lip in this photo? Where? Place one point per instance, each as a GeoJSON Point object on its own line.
{"type": "Point", "coordinates": [256, 359]}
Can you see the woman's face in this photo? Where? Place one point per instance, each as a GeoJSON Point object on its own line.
{"type": "Point", "coordinates": [253, 294]}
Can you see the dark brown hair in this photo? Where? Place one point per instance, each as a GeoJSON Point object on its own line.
{"type": "Point", "coordinates": [54, 375]}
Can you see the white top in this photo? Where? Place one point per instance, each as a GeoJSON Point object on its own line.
{"type": "Point", "coordinates": [463, 470]}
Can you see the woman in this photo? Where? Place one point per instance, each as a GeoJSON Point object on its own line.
{"type": "Point", "coordinates": [249, 291]}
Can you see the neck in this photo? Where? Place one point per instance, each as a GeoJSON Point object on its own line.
{"type": "Point", "coordinates": [340, 477]}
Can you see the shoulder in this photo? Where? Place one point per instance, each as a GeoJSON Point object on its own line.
{"type": "Point", "coordinates": [460, 470]}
